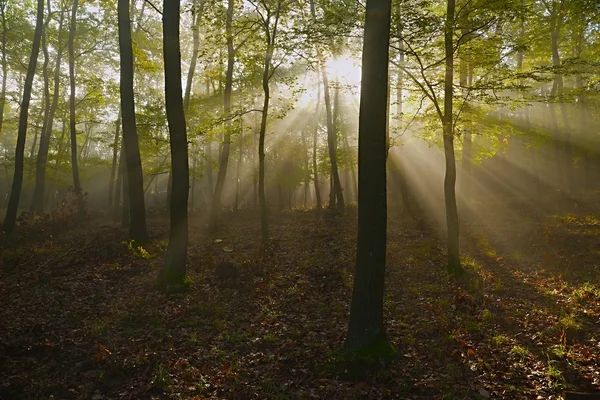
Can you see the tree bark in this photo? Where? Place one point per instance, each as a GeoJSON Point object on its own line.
{"type": "Point", "coordinates": [331, 133]}
{"type": "Point", "coordinates": [454, 265]}
{"type": "Point", "coordinates": [224, 158]}
{"type": "Point", "coordinates": [314, 149]}
{"type": "Point", "coordinates": [115, 158]}
{"type": "Point", "coordinates": [13, 202]}
{"type": "Point", "coordinates": [119, 183]}
{"type": "Point", "coordinates": [197, 11]}
{"type": "Point", "coordinates": [174, 267]}
{"type": "Point", "coordinates": [366, 332]}
{"type": "Point", "coordinates": [72, 121]}
{"type": "Point", "coordinates": [270, 41]}
{"type": "Point", "coordinates": [37, 202]}
{"type": "Point", "coordinates": [135, 177]}
{"type": "Point", "coordinates": [4, 63]}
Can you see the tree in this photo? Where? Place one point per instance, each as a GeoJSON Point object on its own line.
{"type": "Point", "coordinates": [174, 267]}
{"type": "Point", "coordinates": [314, 147]}
{"type": "Point", "coordinates": [13, 202]}
{"type": "Point", "coordinates": [37, 204]}
{"type": "Point", "coordinates": [270, 24]}
{"type": "Point", "coordinates": [454, 265]}
{"type": "Point", "coordinates": [336, 193]}
{"type": "Point", "coordinates": [72, 121]}
{"type": "Point", "coordinates": [135, 178]}
{"type": "Point", "coordinates": [366, 332]}
{"type": "Point", "coordinates": [224, 160]}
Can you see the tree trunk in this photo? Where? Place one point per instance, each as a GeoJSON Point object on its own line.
{"type": "Point", "coordinates": [174, 268]}
{"type": "Point", "coordinates": [331, 133]}
{"type": "Point", "coordinates": [13, 202]}
{"type": "Point", "coordinates": [72, 122]}
{"type": "Point", "coordinates": [314, 149]}
{"type": "Point", "coordinates": [454, 266]}
{"type": "Point", "coordinates": [224, 158]}
{"type": "Point", "coordinates": [196, 18]}
{"type": "Point", "coordinates": [464, 86]}
{"type": "Point", "coordinates": [119, 183]}
{"type": "Point", "coordinates": [270, 39]}
{"type": "Point", "coordinates": [366, 332]}
{"type": "Point", "coordinates": [239, 170]}
{"type": "Point", "coordinates": [135, 177]}
{"type": "Point", "coordinates": [331, 144]}
{"type": "Point", "coordinates": [4, 63]}
{"type": "Point", "coordinates": [37, 202]}
{"type": "Point", "coordinates": [113, 169]}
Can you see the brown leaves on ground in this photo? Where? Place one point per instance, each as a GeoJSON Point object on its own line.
{"type": "Point", "coordinates": [81, 317]}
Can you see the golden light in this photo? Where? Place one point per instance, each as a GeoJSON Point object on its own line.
{"type": "Point", "coordinates": [344, 68]}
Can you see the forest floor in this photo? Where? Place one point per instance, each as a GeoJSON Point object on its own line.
{"type": "Point", "coordinates": [81, 317]}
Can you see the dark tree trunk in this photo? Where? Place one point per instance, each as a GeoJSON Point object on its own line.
{"type": "Point", "coordinates": [135, 178]}
{"type": "Point", "coordinates": [224, 158]}
{"type": "Point", "coordinates": [37, 202]}
{"type": "Point", "coordinates": [15, 193]}
{"type": "Point", "coordinates": [72, 122]}
{"type": "Point", "coordinates": [270, 40]}
{"type": "Point", "coordinates": [454, 266]}
{"type": "Point", "coordinates": [115, 158]}
{"type": "Point", "coordinates": [174, 268]}
{"type": "Point", "coordinates": [366, 332]}
{"type": "Point", "coordinates": [197, 11]}
{"type": "Point", "coordinates": [40, 181]}
{"type": "Point", "coordinates": [331, 133]}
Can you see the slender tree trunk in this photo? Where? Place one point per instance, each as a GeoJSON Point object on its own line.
{"type": "Point", "coordinates": [37, 202]}
{"type": "Point", "coordinates": [119, 183]}
{"type": "Point", "coordinates": [314, 149]}
{"type": "Point", "coordinates": [562, 145]}
{"type": "Point", "coordinates": [331, 144]}
{"type": "Point", "coordinates": [238, 173]}
{"type": "Point", "coordinates": [454, 265]}
{"type": "Point", "coordinates": [197, 11]}
{"type": "Point", "coordinates": [270, 39]}
{"type": "Point", "coordinates": [193, 187]}
{"type": "Point", "coordinates": [125, 214]}
{"type": "Point", "coordinates": [174, 268]}
{"type": "Point", "coordinates": [4, 63]}
{"type": "Point", "coordinates": [366, 332]}
{"type": "Point", "coordinates": [72, 121]}
{"type": "Point", "coordinates": [40, 182]}
{"type": "Point", "coordinates": [331, 133]}
{"type": "Point", "coordinates": [59, 154]}
{"type": "Point", "coordinates": [115, 158]}
{"type": "Point", "coordinates": [135, 178]}
{"type": "Point", "coordinates": [464, 86]}
{"type": "Point", "coordinates": [224, 157]}
{"type": "Point", "coordinates": [400, 170]}
{"type": "Point", "coordinates": [209, 173]}
{"type": "Point", "coordinates": [13, 202]}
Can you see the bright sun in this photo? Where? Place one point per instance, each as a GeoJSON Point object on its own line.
{"type": "Point", "coordinates": [344, 68]}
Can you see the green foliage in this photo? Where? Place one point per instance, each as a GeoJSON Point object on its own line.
{"type": "Point", "coordinates": [137, 250]}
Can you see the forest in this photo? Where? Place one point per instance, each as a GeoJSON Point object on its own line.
{"type": "Point", "coordinates": [300, 199]}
